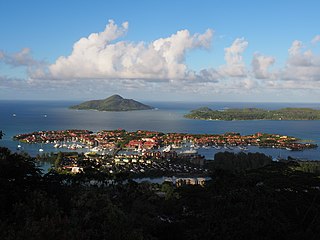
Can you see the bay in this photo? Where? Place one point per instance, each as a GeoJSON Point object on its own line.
{"type": "Point", "coordinates": [27, 116]}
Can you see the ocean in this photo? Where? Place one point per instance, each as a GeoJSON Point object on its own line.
{"type": "Point", "coordinates": [27, 116]}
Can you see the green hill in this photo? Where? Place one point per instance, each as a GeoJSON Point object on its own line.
{"type": "Point", "coordinates": [113, 103]}
{"type": "Point", "coordinates": [255, 114]}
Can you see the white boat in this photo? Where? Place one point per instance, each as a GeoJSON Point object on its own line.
{"type": "Point", "coordinates": [95, 149]}
{"type": "Point", "coordinates": [14, 115]}
{"type": "Point", "coordinates": [243, 148]}
{"type": "Point", "coordinates": [19, 146]}
{"type": "Point", "coordinates": [289, 149]}
{"type": "Point", "coordinates": [189, 151]}
{"type": "Point", "coordinates": [175, 146]}
{"type": "Point", "coordinates": [57, 145]}
{"type": "Point", "coordinates": [40, 150]}
{"type": "Point", "coordinates": [167, 149]}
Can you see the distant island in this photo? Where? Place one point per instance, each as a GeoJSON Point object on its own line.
{"type": "Point", "coordinates": [113, 103]}
{"type": "Point", "coordinates": [206, 113]}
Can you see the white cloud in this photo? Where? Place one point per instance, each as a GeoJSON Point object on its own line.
{"type": "Point", "coordinates": [295, 48]}
{"type": "Point", "coordinates": [316, 39]}
{"type": "Point", "coordinates": [18, 59]}
{"type": "Point", "coordinates": [108, 63]}
{"type": "Point", "coordinates": [235, 66]}
{"type": "Point", "coordinates": [301, 66]}
{"type": "Point", "coordinates": [101, 56]}
{"type": "Point", "coordinates": [260, 66]}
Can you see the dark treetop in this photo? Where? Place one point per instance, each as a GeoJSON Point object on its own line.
{"type": "Point", "coordinates": [113, 103]}
{"type": "Point", "coordinates": [255, 114]}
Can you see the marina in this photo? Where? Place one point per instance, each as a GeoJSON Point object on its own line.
{"type": "Point", "coordinates": [167, 119]}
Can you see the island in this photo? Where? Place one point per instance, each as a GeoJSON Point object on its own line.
{"type": "Point", "coordinates": [206, 113]}
{"type": "Point", "coordinates": [145, 153]}
{"type": "Point", "coordinates": [143, 141]}
{"type": "Point", "coordinates": [113, 103]}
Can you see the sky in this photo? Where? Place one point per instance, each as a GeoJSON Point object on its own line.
{"type": "Point", "coordinates": [160, 50]}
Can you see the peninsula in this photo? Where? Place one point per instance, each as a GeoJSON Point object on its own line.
{"type": "Point", "coordinates": [113, 103]}
{"type": "Point", "coordinates": [206, 113]}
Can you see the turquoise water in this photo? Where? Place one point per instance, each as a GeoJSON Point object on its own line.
{"type": "Point", "coordinates": [53, 115]}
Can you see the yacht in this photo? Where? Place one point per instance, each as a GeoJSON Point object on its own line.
{"type": "Point", "coordinates": [189, 151]}
{"type": "Point", "coordinates": [57, 145]}
{"type": "Point", "coordinates": [167, 149]}
{"type": "Point", "coordinates": [243, 148]}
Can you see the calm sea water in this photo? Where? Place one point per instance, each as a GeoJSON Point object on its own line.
{"type": "Point", "coordinates": [30, 116]}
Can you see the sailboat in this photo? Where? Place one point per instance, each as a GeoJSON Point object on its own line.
{"type": "Point", "coordinates": [41, 149]}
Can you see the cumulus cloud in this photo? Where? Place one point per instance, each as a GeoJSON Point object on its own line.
{"type": "Point", "coordinates": [295, 48]}
{"type": "Point", "coordinates": [108, 63]}
{"type": "Point", "coordinates": [301, 65]}
{"type": "Point", "coordinates": [260, 66]}
{"type": "Point", "coordinates": [235, 66]}
{"type": "Point", "coordinates": [18, 59]}
{"type": "Point", "coordinates": [101, 56]}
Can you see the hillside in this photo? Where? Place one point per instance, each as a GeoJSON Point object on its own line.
{"type": "Point", "coordinates": [113, 103]}
{"type": "Point", "coordinates": [255, 114]}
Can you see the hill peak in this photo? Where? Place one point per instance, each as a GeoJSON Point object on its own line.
{"type": "Point", "coordinates": [115, 96]}
{"type": "Point", "coordinates": [112, 103]}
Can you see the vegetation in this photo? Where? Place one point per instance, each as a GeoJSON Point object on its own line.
{"type": "Point", "coordinates": [255, 114]}
{"type": "Point", "coordinates": [309, 166]}
{"type": "Point", "coordinates": [239, 162]}
{"type": "Point", "coordinates": [113, 103]}
{"type": "Point", "coordinates": [276, 201]}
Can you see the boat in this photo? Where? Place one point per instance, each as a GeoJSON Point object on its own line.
{"type": "Point", "coordinates": [96, 149]}
{"type": "Point", "coordinates": [243, 148]}
{"type": "Point", "coordinates": [217, 147]}
{"type": "Point", "coordinates": [41, 149]}
{"type": "Point", "coordinates": [176, 146]}
{"type": "Point", "coordinates": [194, 146]}
{"type": "Point", "coordinates": [190, 151]}
{"type": "Point", "coordinates": [289, 149]}
{"type": "Point", "coordinates": [167, 149]}
{"type": "Point", "coordinates": [277, 159]}
{"type": "Point", "coordinates": [14, 115]}
{"type": "Point", "coordinates": [227, 147]}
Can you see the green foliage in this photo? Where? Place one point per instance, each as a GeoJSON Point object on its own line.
{"type": "Point", "coordinates": [238, 162]}
{"type": "Point", "coordinates": [168, 189]}
{"type": "Point", "coordinates": [255, 114]}
{"type": "Point", "coordinates": [309, 167]}
{"type": "Point", "coordinates": [58, 160]}
{"type": "Point", "coordinates": [276, 201]}
{"type": "Point", "coordinates": [113, 103]}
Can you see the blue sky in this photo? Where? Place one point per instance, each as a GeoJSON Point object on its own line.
{"type": "Point", "coordinates": [161, 50]}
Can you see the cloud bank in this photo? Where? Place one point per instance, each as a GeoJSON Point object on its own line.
{"type": "Point", "coordinates": [105, 60]}
{"type": "Point", "coordinates": [100, 56]}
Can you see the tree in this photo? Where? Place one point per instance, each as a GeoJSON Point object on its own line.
{"type": "Point", "coordinates": [58, 160]}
